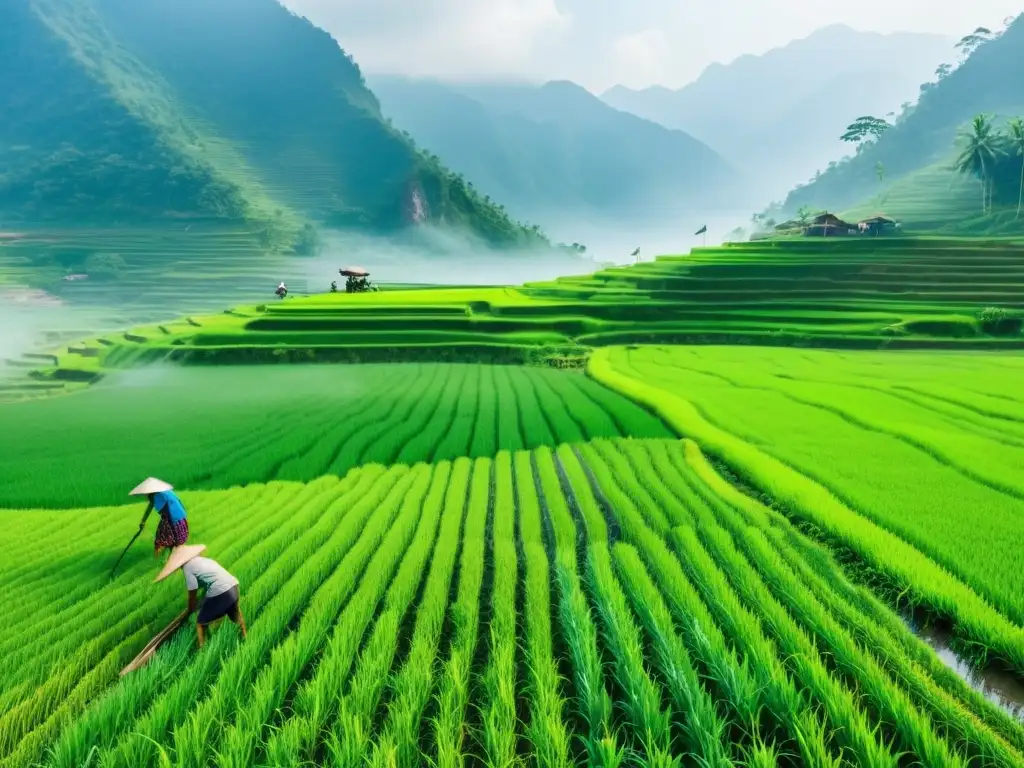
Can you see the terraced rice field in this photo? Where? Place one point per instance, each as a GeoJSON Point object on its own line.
{"type": "Point", "coordinates": [463, 564]}
{"type": "Point", "coordinates": [844, 292]}
{"type": "Point", "coordinates": [218, 427]}
{"type": "Point", "coordinates": [191, 267]}
{"type": "Point", "coordinates": [617, 603]}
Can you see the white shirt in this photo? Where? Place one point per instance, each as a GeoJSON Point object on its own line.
{"type": "Point", "coordinates": [201, 571]}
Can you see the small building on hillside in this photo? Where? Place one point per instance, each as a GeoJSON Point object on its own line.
{"type": "Point", "coordinates": [829, 225]}
{"type": "Point", "coordinates": [789, 226]}
{"type": "Point", "coordinates": [877, 225]}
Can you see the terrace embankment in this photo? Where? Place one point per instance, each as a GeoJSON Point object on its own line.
{"type": "Point", "coordinates": [861, 293]}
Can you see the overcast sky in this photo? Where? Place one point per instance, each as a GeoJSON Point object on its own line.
{"type": "Point", "coordinates": [599, 43]}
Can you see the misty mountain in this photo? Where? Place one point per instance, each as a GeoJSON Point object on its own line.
{"type": "Point", "coordinates": [990, 81]}
{"type": "Point", "coordinates": [779, 115]}
{"type": "Point", "coordinates": [555, 152]}
{"type": "Point", "coordinates": [118, 111]}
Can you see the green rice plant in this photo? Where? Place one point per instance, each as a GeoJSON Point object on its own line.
{"type": "Point", "coordinates": [316, 699]}
{"type": "Point", "coordinates": [908, 657]}
{"type": "Point", "coordinates": [536, 430]}
{"type": "Point", "coordinates": [398, 743]}
{"type": "Point", "coordinates": [357, 447]}
{"type": "Point", "coordinates": [547, 731]}
{"type": "Point", "coordinates": [318, 458]}
{"type": "Point", "coordinates": [424, 441]}
{"type": "Point", "coordinates": [641, 697]}
{"type": "Point", "coordinates": [485, 430]}
{"type": "Point", "coordinates": [851, 724]}
{"type": "Point", "coordinates": [132, 605]}
{"type": "Point", "coordinates": [629, 419]}
{"type": "Point", "coordinates": [107, 717]}
{"type": "Point", "coordinates": [500, 721]}
{"type": "Point", "coordinates": [564, 426]}
{"type": "Point", "coordinates": [459, 434]}
{"type": "Point", "coordinates": [42, 732]}
{"type": "Point", "coordinates": [593, 702]}
{"type": "Point", "coordinates": [424, 419]}
{"type": "Point", "coordinates": [705, 730]}
{"type": "Point", "coordinates": [915, 729]}
{"type": "Point", "coordinates": [241, 424]}
{"type": "Point", "coordinates": [609, 459]}
{"type": "Point", "coordinates": [351, 544]}
{"type": "Point", "coordinates": [907, 568]}
{"type": "Point", "coordinates": [757, 686]}
{"type": "Point", "coordinates": [510, 437]}
{"type": "Point", "coordinates": [452, 697]}
{"type": "Point", "coordinates": [349, 735]}
{"type": "Point", "coordinates": [780, 552]}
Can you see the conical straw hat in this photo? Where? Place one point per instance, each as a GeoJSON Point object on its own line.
{"type": "Point", "coordinates": [150, 485]}
{"type": "Point", "coordinates": [179, 556]}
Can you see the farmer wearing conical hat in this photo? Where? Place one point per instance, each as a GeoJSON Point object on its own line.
{"type": "Point", "coordinates": [172, 530]}
{"type": "Point", "coordinates": [221, 588]}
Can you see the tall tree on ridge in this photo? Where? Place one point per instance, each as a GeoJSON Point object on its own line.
{"type": "Point", "coordinates": [983, 145]}
{"type": "Point", "coordinates": [1015, 136]}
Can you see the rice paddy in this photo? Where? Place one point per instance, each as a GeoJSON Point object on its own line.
{"type": "Point", "coordinates": [845, 292]}
{"type": "Point", "coordinates": [680, 555]}
{"type": "Point", "coordinates": [615, 603]}
{"type": "Point", "coordinates": [215, 427]}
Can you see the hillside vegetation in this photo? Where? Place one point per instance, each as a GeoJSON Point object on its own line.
{"type": "Point", "coordinates": [555, 152]}
{"type": "Point", "coordinates": [925, 136]}
{"type": "Point", "coordinates": [239, 111]}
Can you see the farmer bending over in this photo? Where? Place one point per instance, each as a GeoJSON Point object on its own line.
{"type": "Point", "coordinates": [172, 531]}
{"type": "Point", "coordinates": [221, 598]}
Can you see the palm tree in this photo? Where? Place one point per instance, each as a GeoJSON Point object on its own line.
{"type": "Point", "coordinates": [1015, 129]}
{"type": "Point", "coordinates": [983, 145]}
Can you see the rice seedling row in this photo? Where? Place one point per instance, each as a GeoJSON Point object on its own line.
{"type": "Point", "coordinates": [642, 610]}
{"type": "Point", "coordinates": [228, 426]}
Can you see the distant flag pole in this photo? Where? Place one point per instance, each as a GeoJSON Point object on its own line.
{"type": "Point", "coordinates": [636, 255]}
{"type": "Point", "coordinates": [703, 231]}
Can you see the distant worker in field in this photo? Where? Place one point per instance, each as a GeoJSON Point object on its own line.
{"type": "Point", "coordinates": [172, 530]}
{"type": "Point", "coordinates": [281, 291]}
{"type": "Point", "coordinates": [220, 587]}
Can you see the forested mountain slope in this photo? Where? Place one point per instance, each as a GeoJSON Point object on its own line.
{"type": "Point", "coordinates": [555, 151]}
{"type": "Point", "coordinates": [236, 110]}
{"type": "Point", "coordinates": [925, 137]}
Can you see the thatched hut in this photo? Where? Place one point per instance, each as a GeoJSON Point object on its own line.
{"type": "Point", "coordinates": [877, 225]}
{"type": "Point", "coordinates": [829, 225]}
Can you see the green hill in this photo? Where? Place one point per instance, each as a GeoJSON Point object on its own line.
{"type": "Point", "coordinates": [123, 112]}
{"type": "Point", "coordinates": [554, 151]}
{"type": "Point", "coordinates": [916, 153]}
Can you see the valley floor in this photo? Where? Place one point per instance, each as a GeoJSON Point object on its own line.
{"type": "Point", "coordinates": [518, 565]}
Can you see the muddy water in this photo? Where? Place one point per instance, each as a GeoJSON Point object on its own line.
{"type": "Point", "coordinates": [1001, 688]}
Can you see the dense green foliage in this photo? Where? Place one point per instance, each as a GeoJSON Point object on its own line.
{"type": "Point", "coordinates": [218, 427]}
{"type": "Point", "coordinates": [554, 152]}
{"type": "Point", "coordinates": [111, 121]}
{"type": "Point", "coordinates": [989, 81]}
{"type": "Point", "coordinates": [382, 615]}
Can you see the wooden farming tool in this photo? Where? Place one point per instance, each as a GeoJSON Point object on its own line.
{"type": "Point", "coordinates": [138, 533]}
{"type": "Point", "coordinates": [147, 653]}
